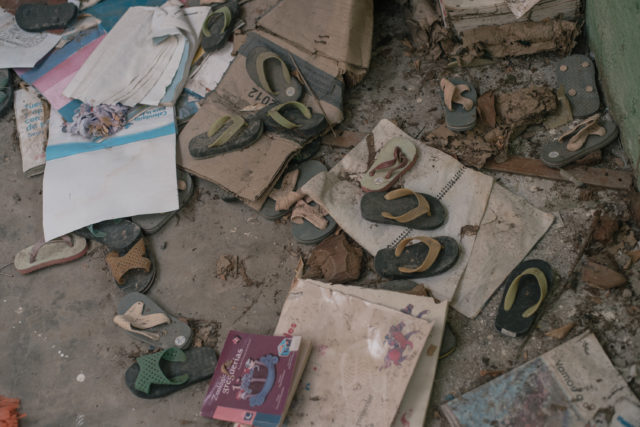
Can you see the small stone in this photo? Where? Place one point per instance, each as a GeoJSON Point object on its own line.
{"type": "Point", "coordinates": [623, 260]}
{"type": "Point", "coordinates": [80, 378]}
{"type": "Point", "coordinates": [627, 294]}
{"type": "Point", "coordinates": [633, 371]}
{"type": "Point", "coordinates": [599, 276]}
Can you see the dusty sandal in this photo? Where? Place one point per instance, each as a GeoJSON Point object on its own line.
{"type": "Point", "coordinates": [310, 224]}
{"type": "Point", "coordinates": [403, 207]}
{"type": "Point", "coordinates": [584, 138]}
{"type": "Point", "coordinates": [524, 290]}
{"type": "Point", "coordinates": [218, 26]}
{"type": "Point", "coordinates": [42, 17]}
{"type": "Point", "coordinates": [285, 194]}
{"type": "Point", "coordinates": [167, 371]}
{"type": "Point", "coordinates": [5, 90]}
{"type": "Point", "coordinates": [228, 133]}
{"type": "Point", "coordinates": [271, 73]}
{"type": "Point", "coordinates": [394, 160]}
{"type": "Point", "coordinates": [577, 75]}
{"type": "Point", "coordinates": [154, 222]}
{"type": "Point", "coordinates": [460, 100]}
{"type": "Point", "coordinates": [293, 118]}
{"type": "Point", "coordinates": [133, 271]}
{"type": "Point", "coordinates": [142, 318]}
{"type": "Point", "coordinates": [117, 234]}
{"type": "Point", "coordinates": [44, 254]}
{"type": "Point", "coordinates": [427, 258]}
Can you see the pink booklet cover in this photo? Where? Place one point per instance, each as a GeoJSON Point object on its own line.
{"type": "Point", "coordinates": [252, 379]}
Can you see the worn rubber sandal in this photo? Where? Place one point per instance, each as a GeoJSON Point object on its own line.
{"type": "Point", "coordinates": [116, 234]}
{"type": "Point", "coordinates": [577, 74]}
{"type": "Point", "coordinates": [272, 75]}
{"type": "Point", "coordinates": [167, 371]}
{"type": "Point", "coordinates": [460, 99]}
{"type": "Point", "coordinates": [395, 159]}
{"type": "Point", "coordinates": [283, 189]}
{"type": "Point", "coordinates": [310, 224]}
{"type": "Point", "coordinates": [403, 207]}
{"type": "Point", "coordinates": [154, 222]}
{"type": "Point", "coordinates": [134, 271]}
{"type": "Point", "coordinates": [586, 137]}
{"type": "Point", "coordinates": [44, 254]}
{"type": "Point", "coordinates": [218, 25]}
{"type": "Point", "coordinates": [293, 118]}
{"type": "Point", "coordinates": [429, 257]}
{"type": "Point", "coordinates": [524, 291]}
{"type": "Point", "coordinates": [41, 17]}
{"type": "Point", "coordinates": [5, 90]}
{"type": "Point", "coordinates": [227, 133]}
{"type": "Point", "coordinates": [145, 320]}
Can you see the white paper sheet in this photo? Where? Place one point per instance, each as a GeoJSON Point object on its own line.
{"type": "Point", "coordinates": [157, 38]}
{"type": "Point", "coordinates": [131, 173]}
{"type": "Point", "coordinates": [19, 48]}
{"type": "Point", "coordinates": [208, 73]}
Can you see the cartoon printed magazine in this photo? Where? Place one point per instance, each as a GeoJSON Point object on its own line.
{"type": "Point", "coordinates": [255, 378]}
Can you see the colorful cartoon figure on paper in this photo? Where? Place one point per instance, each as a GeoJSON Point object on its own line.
{"type": "Point", "coordinates": [398, 343]}
{"type": "Point", "coordinates": [258, 377]}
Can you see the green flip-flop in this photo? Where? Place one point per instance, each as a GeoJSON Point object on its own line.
{"type": "Point", "coordinates": [218, 25]}
{"type": "Point", "coordinates": [227, 133]}
{"type": "Point", "coordinates": [271, 74]}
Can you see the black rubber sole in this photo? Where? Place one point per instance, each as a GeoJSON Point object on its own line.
{"type": "Point", "coordinates": [120, 235]}
{"type": "Point", "coordinates": [373, 204]}
{"type": "Point", "coordinates": [199, 144]}
{"type": "Point", "coordinates": [386, 263]}
{"type": "Point", "coordinates": [42, 17]}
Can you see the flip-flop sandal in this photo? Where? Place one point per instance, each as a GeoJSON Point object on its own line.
{"type": "Point", "coordinates": [584, 138]}
{"type": "Point", "coordinates": [403, 207]}
{"type": "Point", "coordinates": [44, 254]}
{"type": "Point", "coordinates": [134, 271]}
{"type": "Point", "coordinates": [218, 26]}
{"type": "Point", "coordinates": [5, 90]}
{"type": "Point", "coordinates": [42, 17]}
{"type": "Point", "coordinates": [154, 222]}
{"type": "Point", "coordinates": [167, 371]}
{"type": "Point", "coordinates": [271, 73]}
{"type": "Point", "coordinates": [449, 342]}
{"type": "Point", "coordinates": [116, 234]}
{"type": "Point", "coordinates": [145, 320]}
{"type": "Point", "coordinates": [524, 291]}
{"type": "Point", "coordinates": [394, 160]}
{"type": "Point", "coordinates": [429, 257]}
{"type": "Point", "coordinates": [285, 193]}
{"type": "Point", "coordinates": [308, 151]}
{"type": "Point", "coordinates": [577, 74]}
{"type": "Point", "coordinates": [460, 99]}
{"type": "Point", "coordinates": [293, 118]}
{"type": "Point", "coordinates": [228, 133]}
{"type": "Point", "coordinates": [310, 224]}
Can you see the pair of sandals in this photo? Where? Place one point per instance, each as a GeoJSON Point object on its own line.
{"type": "Point", "coordinates": [174, 367]}
{"type": "Point", "coordinates": [310, 223]}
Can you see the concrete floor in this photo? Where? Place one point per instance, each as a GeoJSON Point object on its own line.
{"type": "Point", "coordinates": [65, 358]}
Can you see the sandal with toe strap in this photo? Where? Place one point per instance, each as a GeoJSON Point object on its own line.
{"type": "Point", "coordinates": [134, 271]}
{"type": "Point", "coordinates": [293, 118]}
{"type": "Point", "coordinates": [218, 25]}
{"type": "Point", "coordinates": [403, 207]}
{"type": "Point", "coordinates": [227, 133]}
{"type": "Point", "coordinates": [272, 75]}
{"type": "Point", "coordinates": [428, 257]}
{"type": "Point", "coordinates": [460, 99]}
{"type": "Point", "coordinates": [395, 159]}
{"type": "Point", "coordinates": [44, 254]}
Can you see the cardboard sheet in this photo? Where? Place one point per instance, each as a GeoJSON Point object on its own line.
{"type": "Point", "coordinates": [510, 229]}
{"type": "Point", "coordinates": [247, 173]}
{"type": "Point", "coordinates": [362, 360]}
{"type": "Point", "coordinates": [574, 384]}
{"type": "Point", "coordinates": [130, 173]}
{"type": "Point", "coordinates": [413, 409]}
{"type": "Point", "coordinates": [463, 191]}
{"type": "Point", "coordinates": [19, 48]}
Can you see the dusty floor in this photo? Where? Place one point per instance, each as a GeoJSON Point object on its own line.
{"type": "Point", "coordinates": [65, 359]}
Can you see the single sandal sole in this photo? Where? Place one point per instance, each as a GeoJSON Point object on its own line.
{"type": "Point", "coordinates": [274, 73]}
{"type": "Point", "coordinates": [214, 25]}
{"type": "Point", "coordinates": [511, 322]}
{"type": "Point", "coordinates": [556, 155]}
{"type": "Point", "coordinates": [50, 253]}
{"type": "Point", "coordinates": [174, 334]}
{"type": "Point", "coordinates": [200, 145]}
{"type": "Point", "coordinates": [376, 208]}
{"type": "Point", "coordinates": [42, 17]}
{"type": "Point", "coordinates": [458, 119]}
{"type": "Point", "coordinates": [577, 74]}
{"type": "Point", "coordinates": [118, 235]}
{"type": "Point", "coordinates": [387, 264]}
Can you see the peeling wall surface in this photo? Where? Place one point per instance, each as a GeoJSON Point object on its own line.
{"type": "Point", "coordinates": [614, 36]}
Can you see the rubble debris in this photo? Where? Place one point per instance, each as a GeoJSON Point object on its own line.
{"type": "Point", "coordinates": [634, 206]}
{"type": "Point", "coordinates": [205, 332]}
{"type": "Point", "coordinates": [517, 39]}
{"type": "Point", "coordinates": [524, 107]}
{"type": "Point", "coordinates": [561, 332]}
{"type": "Point", "coordinates": [406, 286]}
{"type": "Point", "coordinates": [227, 265]}
{"type": "Point", "coordinates": [344, 139]}
{"type": "Point", "coordinates": [487, 108]}
{"type": "Point", "coordinates": [635, 256]}
{"type": "Point", "coordinates": [606, 228]}
{"type": "Point", "coordinates": [599, 276]}
{"type": "Point", "coordinates": [335, 260]}
{"type": "Point", "coordinates": [562, 115]}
